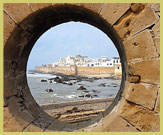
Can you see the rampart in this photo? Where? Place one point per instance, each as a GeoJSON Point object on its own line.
{"type": "Point", "coordinates": [81, 71]}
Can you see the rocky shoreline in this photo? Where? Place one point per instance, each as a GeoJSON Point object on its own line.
{"type": "Point", "coordinates": [77, 111]}
{"type": "Point", "coordinates": [67, 80]}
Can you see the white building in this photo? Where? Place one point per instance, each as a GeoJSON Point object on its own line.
{"type": "Point", "coordinates": [84, 61]}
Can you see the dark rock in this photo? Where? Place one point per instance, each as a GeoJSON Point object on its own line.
{"type": "Point", "coordinates": [64, 78]}
{"type": "Point", "coordinates": [49, 90]}
{"type": "Point", "coordinates": [94, 90]}
{"type": "Point", "coordinates": [70, 84]}
{"type": "Point", "coordinates": [81, 88]}
{"type": "Point", "coordinates": [88, 95]}
{"type": "Point", "coordinates": [102, 84]}
{"type": "Point", "coordinates": [95, 95]}
{"type": "Point", "coordinates": [82, 96]}
{"type": "Point", "coordinates": [58, 80]}
{"type": "Point", "coordinates": [113, 83]}
{"type": "Point", "coordinates": [86, 91]}
{"type": "Point", "coordinates": [50, 81]}
{"type": "Point", "coordinates": [43, 80]}
{"type": "Point", "coordinates": [96, 78]}
{"type": "Point", "coordinates": [78, 80]}
{"type": "Point", "coordinates": [64, 83]}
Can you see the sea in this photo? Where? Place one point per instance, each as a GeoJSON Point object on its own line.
{"type": "Point", "coordinates": [98, 88]}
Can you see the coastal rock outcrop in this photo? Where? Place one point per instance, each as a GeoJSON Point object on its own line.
{"type": "Point", "coordinates": [49, 90]}
{"type": "Point", "coordinates": [81, 88]}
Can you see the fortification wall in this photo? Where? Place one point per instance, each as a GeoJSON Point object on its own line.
{"type": "Point", "coordinates": [81, 71]}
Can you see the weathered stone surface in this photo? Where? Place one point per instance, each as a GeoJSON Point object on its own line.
{"type": "Point", "coordinates": [148, 70]}
{"type": "Point", "coordinates": [158, 13]}
{"type": "Point", "coordinates": [96, 7]}
{"type": "Point", "coordinates": [8, 26]}
{"type": "Point", "coordinates": [156, 29]}
{"type": "Point", "coordinates": [113, 11]}
{"type": "Point", "coordinates": [136, 7]}
{"type": "Point", "coordinates": [134, 78]}
{"type": "Point", "coordinates": [4, 40]}
{"type": "Point", "coordinates": [133, 22]}
{"type": "Point", "coordinates": [140, 46]}
{"type": "Point", "coordinates": [32, 128]}
{"type": "Point", "coordinates": [17, 107]}
{"type": "Point", "coordinates": [140, 118]}
{"type": "Point", "coordinates": [9, 85]}
{"type": "Point", "coordinates": [17, 11]}
{"type": "Point", "coordinates": [55, 126]}
{"type": "Point", "coordinates": [116, 125]}
{"type": "Point", "coordinates": [5, 103]}
{"type": "Point", "coordinates": [157, 44]}
{"type": "Point", "coordinates": [155, 6]}
{"type": "Point", "coordinates": [10, 123]}
{"type": "Point", "coordinates": [157, 108]}
{"type": "Point", "coordinates": [143, 94]}
{"type": "Point", "coordinates": [37, 6]}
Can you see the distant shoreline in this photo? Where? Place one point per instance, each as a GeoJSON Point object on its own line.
{"type": "Point", "coordinates": [61, 74]}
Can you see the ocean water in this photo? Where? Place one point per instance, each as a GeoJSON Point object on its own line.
{"type": "Point", "coordinates": [63, 92]}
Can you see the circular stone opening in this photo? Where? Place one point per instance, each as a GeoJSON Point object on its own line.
{"type": "Point", "coordinates": [79, 94]}
{"type": "Point", "coordinates": [22, 40]}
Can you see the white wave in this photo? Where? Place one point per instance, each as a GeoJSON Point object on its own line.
{"type": "Point", "coordinates": [41, 75]}
{"type": "Point", "coordinates": [70, 96]}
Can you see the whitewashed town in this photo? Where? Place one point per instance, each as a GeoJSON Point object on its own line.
{"type": "Point", "coordinates": [84, 66]}
{"type": "Point", "coordinates": [85, 61]}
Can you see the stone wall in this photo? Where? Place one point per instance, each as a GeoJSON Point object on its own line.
{"type": "Point", "coordinates": [135, 31]}
{"type": "Point", "coordinates": [81, 71]}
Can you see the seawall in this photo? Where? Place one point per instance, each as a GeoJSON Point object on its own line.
{"type": "Point", "coordinates": [81, 71]}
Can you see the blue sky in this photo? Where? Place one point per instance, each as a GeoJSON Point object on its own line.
{"type": "Point", "coordinates": [70, 38]}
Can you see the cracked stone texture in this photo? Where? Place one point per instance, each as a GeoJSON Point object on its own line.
{"type": "Point", "coordinates": [140, 48]}
{"type": "Point", "coordinates": [112, 12]}
{"type": "Point", "coordinates": [117, 124]}
{"type": "Point", "coordinates": [10, 123]}
{"type": "Point", "coordinates": [8, 27]}
{"type": "Point", "coordinates": [32, 128]}
{"type": "Point", "coordinates": [157, 109]}
{"type": "Point", "coordinates": [140, 118]}
{"type": "Point", "coordinates": [148, 70]}
{"type": "Point", "coordinates": [135, 21]}
{"type": "Point", "coordinates": [157, 44]}
{"type": "Point", "coordinates": [143, 94]}
{"type": "Point", "coordinates": [15, 11]}
{"type": "Point", "coordinates": [155, 6]}
{"type": "Point", "coordinates": [156, 29]}
{"type": "Point", "coordinates": [37, 6]}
